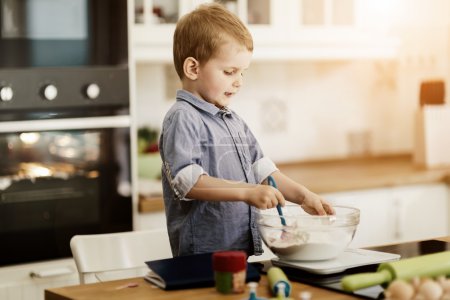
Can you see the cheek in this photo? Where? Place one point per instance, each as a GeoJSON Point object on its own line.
{"type": "Point", "coordinates": [218, 82]}
{"type": "Point", "coordinates": [212, 77]}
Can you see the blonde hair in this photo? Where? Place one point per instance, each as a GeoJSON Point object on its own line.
{"type": "Point", "coordinates": [201, 32]}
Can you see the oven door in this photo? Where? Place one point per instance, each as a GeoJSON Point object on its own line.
{"type": "Point", "coordinates": [59, 178]}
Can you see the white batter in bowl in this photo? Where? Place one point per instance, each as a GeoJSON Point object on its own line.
{"type": "Point", "coordinates": [308, 237]}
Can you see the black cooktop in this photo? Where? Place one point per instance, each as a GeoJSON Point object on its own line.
{"type": "Point", "coordinates": [333, 281]}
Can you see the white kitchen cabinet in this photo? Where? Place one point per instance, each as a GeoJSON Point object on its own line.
{"type": "Point", "coordinates": [282, 30]}
{"type": "Point", "coordinates": [422, 211]}
{"type": "Point", "coordinates": [18, 283]}
{"type": "Point", "coordinates": [397, 214]}
{"type": "Point", "coordinates": [377, 218]}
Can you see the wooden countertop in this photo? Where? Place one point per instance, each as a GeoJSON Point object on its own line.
{"type": "Point", "coordinates": [364, 173]}
{"type": "Point", "coordinates": [121, 289]}
{"type": "Point", "coordinates": [346, 174]}
{"type": "Point", "coordinates": [118, 289]}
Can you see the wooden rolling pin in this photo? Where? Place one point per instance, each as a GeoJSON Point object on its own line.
{"type": "Point", "coordinates": [430, 265]}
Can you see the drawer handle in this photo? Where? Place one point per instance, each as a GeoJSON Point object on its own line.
{"type": "Point", "coordinates": [51, 272]}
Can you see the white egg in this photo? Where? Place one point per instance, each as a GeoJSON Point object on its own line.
{"type": "Point", "coordinates": [399, 290]}
{"type": "Point", "coordinates": [416, 281]}
{"type": "Point", "coordinates": [445, 284]}
{"type": "Point", "coordinates": [430, 290]}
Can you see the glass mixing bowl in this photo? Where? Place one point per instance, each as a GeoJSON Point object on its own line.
{"type": "Point", "coordinates": [307, 237]}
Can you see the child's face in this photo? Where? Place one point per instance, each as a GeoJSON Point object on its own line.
{"type": "Point", "coordinates": [220, 78]}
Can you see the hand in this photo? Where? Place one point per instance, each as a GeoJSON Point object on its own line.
{"type": "Point", "coordinates": [316, 205]}
{"type": "Point", "coordinates": [264, 197]}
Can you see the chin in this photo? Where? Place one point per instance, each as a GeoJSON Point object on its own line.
{"type": "Point", "coordinates": [220, 102]}
{"type": "Point", "coordinates": [225, 102]}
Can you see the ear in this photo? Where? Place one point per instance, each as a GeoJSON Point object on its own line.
{"type": "Point", "coordinates": [191, 68]}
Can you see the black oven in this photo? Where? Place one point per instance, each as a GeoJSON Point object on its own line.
{"type": "Point", "coordinates": [54, 33]}
{"type": "Point", "coordinates": [64, 125]}
{"type": "Point", "coordinates": [58, 54]}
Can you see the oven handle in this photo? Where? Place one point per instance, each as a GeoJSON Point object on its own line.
{"type": "Point", "coordinates": [66, 124]}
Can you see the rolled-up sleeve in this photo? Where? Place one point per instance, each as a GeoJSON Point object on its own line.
{"type": "Point", "coordinates": [185, 180]}
{"type": "Point", "coordinates": [262, 168]}
{"type": "Point", "coordinates": [182, 148]}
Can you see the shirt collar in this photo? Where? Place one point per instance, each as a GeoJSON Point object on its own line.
{"type": "Point", "coordinates": [183, 95]}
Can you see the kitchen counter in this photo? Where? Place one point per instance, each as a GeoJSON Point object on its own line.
{"type": "Point", "coordinates": [346, 174]}
{"type": "Point", "coordinates": [320, 287]}
{"type": "Point", "coordinates": [118, 290]}
{"type": "Point", "coordinates": [362, 173]}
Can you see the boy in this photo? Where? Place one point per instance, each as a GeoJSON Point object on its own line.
{"type": "Point", "coordinates": [212, 163]}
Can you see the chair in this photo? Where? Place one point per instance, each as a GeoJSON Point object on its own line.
{"type": "Point", "coordinates": [103, 257]}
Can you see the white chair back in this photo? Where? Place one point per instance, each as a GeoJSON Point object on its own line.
{"type": "Point", "coordinates": [120, 254]}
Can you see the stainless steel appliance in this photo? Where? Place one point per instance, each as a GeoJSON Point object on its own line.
{"type": "Point", "coordinates": [57, 54]}
{"type": "Point", "coordinates": [64, 125]}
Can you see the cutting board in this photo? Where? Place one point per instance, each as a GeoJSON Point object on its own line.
{"type": "Point", "coordinates": [432, 136]}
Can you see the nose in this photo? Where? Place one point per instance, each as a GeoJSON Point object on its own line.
{"type": "Point", "coordinates": [238, 81]}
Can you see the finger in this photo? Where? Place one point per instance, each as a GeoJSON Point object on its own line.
{"type": "Point", "coordinates": [273, 199]}
{"type": "Point", "coordinates": [266, 201]}
{"type": "Point", "coordinates": [329, 209]}
{"type": "Point", "coordinates": [320, 210]}
{"type": "Point", "coordinates": [317, 209]}
{"type": "Point", "coordinates": [280, 198]}
{"type": "Point", "coordinates": [262, 206]}
{"type": "Point", "coordinates": [272, 204]}
{"type": "Point", "coordinates": [309, 210]}
{"type": "Point", "coordinates": [262, 203]}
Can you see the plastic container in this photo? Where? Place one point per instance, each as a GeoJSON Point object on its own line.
{"type": "Point", "coordinates": [230, 270]}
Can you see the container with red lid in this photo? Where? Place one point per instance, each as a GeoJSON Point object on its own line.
{"type": "Point", "coordinates": [230, 271]}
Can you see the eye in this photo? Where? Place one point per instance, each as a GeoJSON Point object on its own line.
{"type": "Point", "coordinates": [228, 72]}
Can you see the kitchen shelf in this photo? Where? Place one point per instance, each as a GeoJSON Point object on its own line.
{"type": "Point", "coordinates": [323, 45]}
{"type": "Point", "coordinates": [150, 204]}
{"type": "Point", "coordinates": [282, 31]}
{"type": "Point", "coordinates": [328, 50]}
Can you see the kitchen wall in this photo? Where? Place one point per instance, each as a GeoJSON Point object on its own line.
{"type": "Point", "coordinates": [304, 110]}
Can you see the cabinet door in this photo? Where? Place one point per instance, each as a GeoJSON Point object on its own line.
{"type": "Point", "coordinates": [422, 211]}
{"type": "Point", "coordinates": [18, 283]}
{"type": "Point", "coordinates": [376, 216]}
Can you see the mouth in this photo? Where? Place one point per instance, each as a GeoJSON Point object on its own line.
{"type": "Point", "coordinates": [228, 94]}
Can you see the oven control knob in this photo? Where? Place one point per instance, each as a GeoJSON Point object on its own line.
{"type": "Point", "coordinates": [6, 93]}
{"type": "Point", "coordinates": [92, 91]}
{"type": "Point", "coordinates": [49, 92]}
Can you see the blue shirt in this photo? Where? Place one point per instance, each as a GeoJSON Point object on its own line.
{"type": "Point", "coordinates": [198, 138]}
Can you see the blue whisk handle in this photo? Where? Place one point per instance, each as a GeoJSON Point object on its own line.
{"type": "Point", "coordinates": [272, 182]}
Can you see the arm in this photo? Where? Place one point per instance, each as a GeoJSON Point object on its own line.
{"type": "Point", "coordinates": [297, 193]}
{"type": "Point", "coordinates": [215, 189]}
